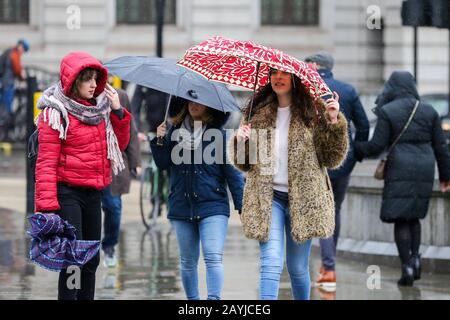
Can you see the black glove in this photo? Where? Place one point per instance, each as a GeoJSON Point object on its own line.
{"type": "Point", "coordinates": [359, 156]}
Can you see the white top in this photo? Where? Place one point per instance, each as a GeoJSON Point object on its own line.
{"type": "Point", "coordinates": [280, 179]}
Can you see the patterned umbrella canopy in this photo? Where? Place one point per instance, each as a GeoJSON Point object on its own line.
{"type": "Point", "coordinates": [246, 64]}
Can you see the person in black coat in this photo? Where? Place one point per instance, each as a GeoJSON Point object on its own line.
{"type": "Point", "coordinates": [152, 101]}
{"type": "Point", "coordinates": [410, 167]}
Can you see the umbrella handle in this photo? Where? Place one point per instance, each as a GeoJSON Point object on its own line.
{"type": "Point", "coordinates": [254, 91]}
{"type": "Point", "coordinates": [160, 140]}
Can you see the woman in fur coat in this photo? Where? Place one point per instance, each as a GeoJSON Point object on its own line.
{"type": "Point", "coordinates": [285, 150]}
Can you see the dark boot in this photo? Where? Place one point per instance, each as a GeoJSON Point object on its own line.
{"type": "Point", "coordinates": [407, 278]}
{"type": "Point", "coordinates": [417, 266]}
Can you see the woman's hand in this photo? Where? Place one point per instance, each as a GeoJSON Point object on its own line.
{"type": "Point", "coordinates": [445, 186]}
{"type": "Point", "coordinates": [161, 131]}
{"type": "Point", "coordinates": [243, 132]}
{"type": "Point", "coordinates": [333, 107]}
{"type": "Point", "coordinates": [142, 137]}
{"type": "Point", "coordinates": [113, 96]}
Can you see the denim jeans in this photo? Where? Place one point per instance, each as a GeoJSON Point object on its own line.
{"type": "Point", "coordinates": [210, 232]}
{"type": "Point", "coordinates": [112, 207]}
{"type": "Point", "coordinates": [328, 246]}
{"type": "Point", "coordinates": [7, 97]}
{"type": "Point", "coordinates": [272, 258]}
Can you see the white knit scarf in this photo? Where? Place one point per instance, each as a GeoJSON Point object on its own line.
{"type": "Point", "coordinates": [189, 138]}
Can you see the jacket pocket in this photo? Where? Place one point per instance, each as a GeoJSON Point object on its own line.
{"type": "Point", "coordinates": [220, 190]}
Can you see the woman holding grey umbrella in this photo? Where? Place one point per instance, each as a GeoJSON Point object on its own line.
{"type": "Point", "coordinates": [198, 199]}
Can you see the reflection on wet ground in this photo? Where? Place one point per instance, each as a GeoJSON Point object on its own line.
{"type": "Point", "coordinates": [148, 269]}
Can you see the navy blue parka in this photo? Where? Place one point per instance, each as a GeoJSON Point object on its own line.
{"type": "Point", "coordinates": [199, 190]}
{"type": "Point", "coordinates": [351, 107]}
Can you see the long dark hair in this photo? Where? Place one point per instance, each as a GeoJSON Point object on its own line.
{"type": "Point", "coordinates": [303, 106]}
{"type": "Point", "coordinates": [183, 110]}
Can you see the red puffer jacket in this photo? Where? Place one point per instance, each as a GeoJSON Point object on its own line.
{"type": "Point", "coordinates": [81, 159]}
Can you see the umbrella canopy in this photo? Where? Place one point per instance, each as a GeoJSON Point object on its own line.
{"type": "Point", "coordinates": [246, 64]}
{"type": "Point", "coordinates": [166, 76]}
{"type": "Point", "coordinates": [54, 245]}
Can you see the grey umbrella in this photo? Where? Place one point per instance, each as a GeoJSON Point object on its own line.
{"type": "Point", "coordinates": [166, 76]}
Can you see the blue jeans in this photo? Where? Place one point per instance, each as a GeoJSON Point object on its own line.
{"type": "Point", "coordinates": [210, 232]}
{"type": "Point", "coordinates": [112, 207]}
{"type": "Point", "coordinates": [7, 97]}
{"type": "Point", "coordinates": [272, 258]}
{"type": "Point", "coordinates": [328, 246]}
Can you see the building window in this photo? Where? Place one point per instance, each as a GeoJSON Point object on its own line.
{"type": "Point", "coordinates": [290, 12]}
{"type": "Point", "coordinates": [144, 12]}
{"type": "Point", "coordinates": [14, 11]}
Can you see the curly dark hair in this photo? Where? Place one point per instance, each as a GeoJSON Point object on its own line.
{"type": "Point", "coordinates": [303, 106]}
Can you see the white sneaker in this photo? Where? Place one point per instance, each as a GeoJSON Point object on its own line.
{"type": "Point", "coordinates": [109, 281]}
{"type": "Point", "coordinates": [110, 259]}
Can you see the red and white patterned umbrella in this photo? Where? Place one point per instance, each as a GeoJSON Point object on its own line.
{"type": "Point", "coordinates": [243, 63]}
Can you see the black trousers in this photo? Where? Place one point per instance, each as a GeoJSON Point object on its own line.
{"type": "Point", "coordinates": [81, 207]}
{"type": "Point", "coordinates": [407, 238]}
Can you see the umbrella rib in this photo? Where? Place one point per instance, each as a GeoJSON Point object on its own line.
{"type": "Point", "coordinates": [218, 96]}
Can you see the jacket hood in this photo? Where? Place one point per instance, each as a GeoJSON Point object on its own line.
{"type": "Point", "coordinates": [401, 84]}
{"type": "Point", "coordinates": [325, 73]}
{"type": "Point", "coordinates": [75, 62]}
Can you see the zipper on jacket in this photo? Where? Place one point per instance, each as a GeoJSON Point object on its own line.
{"type": "Point", "coordinates": [104, 157]}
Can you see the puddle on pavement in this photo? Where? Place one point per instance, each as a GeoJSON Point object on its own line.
{"type": "Point", "coordinates": [148, 269]}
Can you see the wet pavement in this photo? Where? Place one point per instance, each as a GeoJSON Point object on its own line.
{"type": "Point", "coordinates": [148, 261]}
{"type": "Point", "coordinates": [148, 269]}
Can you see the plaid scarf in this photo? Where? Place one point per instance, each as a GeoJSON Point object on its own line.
{"type": "Point", "coordinates": [54, 245]}
{"type": "Point", "coordinates": [55, 104]}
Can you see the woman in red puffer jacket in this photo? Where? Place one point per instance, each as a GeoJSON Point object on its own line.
{"type": "Point", "coordinates": [82, 131]}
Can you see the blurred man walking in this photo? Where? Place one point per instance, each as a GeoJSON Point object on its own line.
{"type": "Point", "coordinates": [353, 110]}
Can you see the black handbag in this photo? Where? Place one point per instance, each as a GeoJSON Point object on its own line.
{"type": "Point", "coordinates": [381, 167]}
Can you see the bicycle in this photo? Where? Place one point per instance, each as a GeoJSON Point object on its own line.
{"type": "Point", "coordinates": [153, 192]}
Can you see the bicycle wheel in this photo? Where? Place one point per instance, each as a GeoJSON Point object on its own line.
{"type": "Point", "coordinates": [165, 188]}
{"type": "Point", "coordinates": [145, 197]}
{"type": "Point", "coordinates": [156, 195]}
